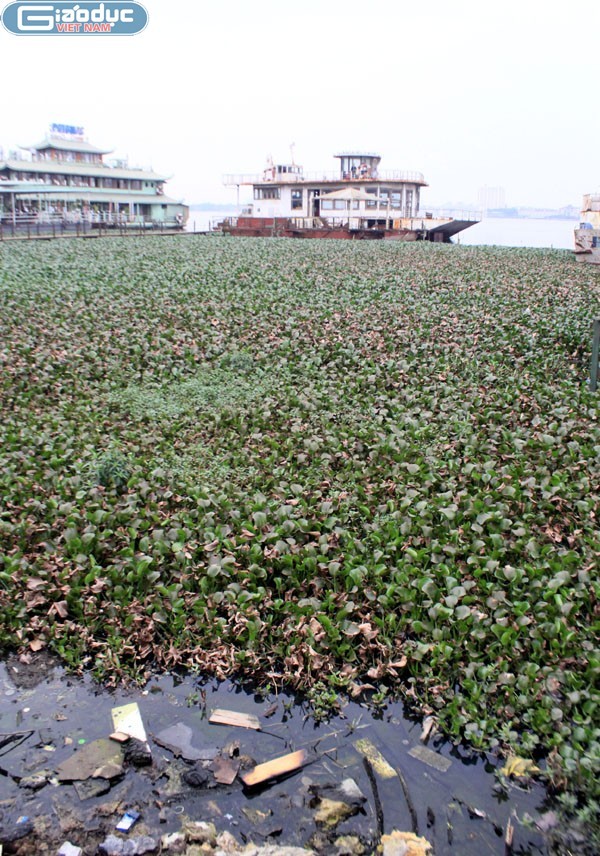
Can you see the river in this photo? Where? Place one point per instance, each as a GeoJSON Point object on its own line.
{"type": "Point", "coordinates": [521, 232]}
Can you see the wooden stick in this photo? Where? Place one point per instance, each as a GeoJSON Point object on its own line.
{"type": "Point", "coordinates": [274, 768]}
{"type": "Point", "coordinates": [378, 808]}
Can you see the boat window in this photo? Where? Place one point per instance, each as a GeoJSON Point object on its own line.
{"type": "Point", "coordinates": [397, 200]}
{"type": "Point", "coordinates": [267, 193]}
{"type": "Point", "coordinates": [373, 192]}
{"type": "Point", "coordinates": [296, 199]}
{"type": "Point", "coordinates": [333, 204]}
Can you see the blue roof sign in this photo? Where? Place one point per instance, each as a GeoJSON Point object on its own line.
{"type": "Point", "coordinates": [67, 130]}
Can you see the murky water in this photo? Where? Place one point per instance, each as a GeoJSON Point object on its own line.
{"type": "Point", "coordinates": [461, 810]}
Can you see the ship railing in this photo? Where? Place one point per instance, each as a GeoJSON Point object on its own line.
{"type": "Point", "coordinates": [219, 224]}
{"type": "Point", "coordinates": [449, 214]}
{"type": "Point", "coordinates": [327, 222]}
{"type": "Point", "coordinates": [236, 179]}
{"type": "Point", "coordinates": [375, 175]}
{"type": "Point", "coordinates": [46, 223]}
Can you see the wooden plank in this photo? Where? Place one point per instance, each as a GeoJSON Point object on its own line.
{"type": "Point", "coordinates": [232, 717]}
{"type": "Point", "coordinates": [276, 767]}
{"type": "Point", "coordinates": [119, 736]}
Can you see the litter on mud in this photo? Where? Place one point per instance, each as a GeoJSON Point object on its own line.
{"type": "Point", "coordinates": [178, 740]}
{"type": "Point", "coordinates": [326, 797]}
{"type": "Point", "coordinates": [225, 769]}
{"type": "Point", "coordinates": [129, 819]}
{"type": "Point", "coordinates": [67, 849]}
{"type": "Point", "coordinates": [119, 737]}
{"type": "Point", "coordinates": [100, 759]}
{"type": "Point", "coordinates": [128, 720]}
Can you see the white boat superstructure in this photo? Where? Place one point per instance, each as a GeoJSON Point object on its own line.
{"type": "Point", "coordinates": [359, 200]}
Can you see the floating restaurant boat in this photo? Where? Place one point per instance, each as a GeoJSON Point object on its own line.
{"type": "Point", "coordinates": [357, 202]}
{"type": "Point", "coordinates": [65, 177]}
{"type": "Point", "coordinates": [587, 235]}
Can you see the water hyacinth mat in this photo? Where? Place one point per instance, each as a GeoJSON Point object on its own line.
{"type": "Point", "coordinates": [344, 467]}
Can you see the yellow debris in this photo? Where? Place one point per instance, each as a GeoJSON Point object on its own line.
{"type": "Point", "coordinates": [380, 765]}
{"type": "Point", "coordinates": [521, 767]}
{"type": "Point", "coordinates": [405, 844]}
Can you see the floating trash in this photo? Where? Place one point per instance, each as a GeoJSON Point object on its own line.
{"type": "Point", "coordinates": [273, 769]}
{"type": "Point", "coordinates": [178, 740]}
{"type": "Point", "coordinates": [68, 849]}
{"type": "Point", "coordinates": [431, 758]}
{"type": "Point", "coordinates": [128, 720]}
{"type": "Point", "coordinates": [127, 821]}
{"type": "Point", "coordinates": [232, 717]}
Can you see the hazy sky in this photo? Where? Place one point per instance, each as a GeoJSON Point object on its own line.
{"type": "Point", "coordinates": [468, 92]}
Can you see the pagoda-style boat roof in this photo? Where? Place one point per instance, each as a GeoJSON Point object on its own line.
{"type": "Point", "coordinates": [32, 190]}
{"type": "Point", "coordinates": [64, 145]}
{"type": "Point", "coordinates": [95, 170]}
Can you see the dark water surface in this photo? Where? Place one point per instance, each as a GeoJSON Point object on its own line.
{"type": "Point", "coordinates": [462, 810]}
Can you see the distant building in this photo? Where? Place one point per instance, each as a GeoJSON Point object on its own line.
{"type": "Point", "coordinates": [490, 197]}
{"type": "Point", "coordinates": [569, 212]}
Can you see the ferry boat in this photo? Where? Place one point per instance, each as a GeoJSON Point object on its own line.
{"type": "Point", "coordinates": [358, 201]}
{"type": "Point", "coordinates": [64, 177]}
{"type": "Point", "coordinates": [587, 235]}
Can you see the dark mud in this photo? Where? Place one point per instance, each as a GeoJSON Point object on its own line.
{"type": "Point", "coordinates": [46, 716]}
